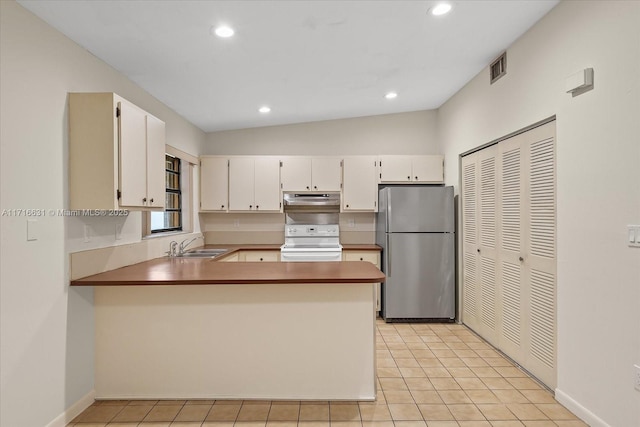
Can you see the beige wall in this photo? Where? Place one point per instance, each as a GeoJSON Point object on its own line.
{"type": "Point", "coordinates": [403, 133]}
{"type": "Point", "coordinates": [598, 153]}
{"type": "Point", "coordinates": [47, 328]}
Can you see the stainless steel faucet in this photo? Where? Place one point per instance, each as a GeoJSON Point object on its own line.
{"type": "Point", "coordinates": [172, 248]}
{"type": "Point", "coordinates": [185, 243]}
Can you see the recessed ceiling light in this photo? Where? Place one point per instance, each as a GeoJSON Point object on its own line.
{"type": "Point", "coordinates": [224, 31]}
{"type": "Point", "coordinates": [391, 95]}
{"type": "Point", "coordinates": [441, 9]}
{"type": "Point", "coordinates": [264, 110]}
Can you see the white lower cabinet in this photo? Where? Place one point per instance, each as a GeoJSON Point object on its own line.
{"type": "Point", "coordinates": [260, 256]}
{"type": "Point", "coordinates": [370, 256]}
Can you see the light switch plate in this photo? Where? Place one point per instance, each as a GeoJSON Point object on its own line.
{"type": "Point", "coordinates": [32, 230]}
{"type": "Point", "coordinates": [633, 236]}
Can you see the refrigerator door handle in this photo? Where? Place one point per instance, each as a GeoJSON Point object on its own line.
{"type": "Point", "coordinates": [388, 256]}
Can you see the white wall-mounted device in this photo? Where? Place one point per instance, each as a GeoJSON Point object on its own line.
{"type": "Point", "coordinates": [580, 81]}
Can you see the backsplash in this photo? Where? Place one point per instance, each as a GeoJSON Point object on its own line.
{"type": "Point", "coordinates": [268, 228]}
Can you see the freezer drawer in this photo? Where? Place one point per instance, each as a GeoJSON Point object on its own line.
{"type": "Point", "coordinates": [420, 276]}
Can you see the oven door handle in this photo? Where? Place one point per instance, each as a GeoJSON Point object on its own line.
{"type": "Point", "coordinates": [310, 256]}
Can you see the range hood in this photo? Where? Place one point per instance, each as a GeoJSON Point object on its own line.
{"type": "Point", "coordinates": [311, 202]}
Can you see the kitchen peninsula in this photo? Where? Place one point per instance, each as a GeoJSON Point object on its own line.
{"type": "Point", "coordinates": [207, 329]}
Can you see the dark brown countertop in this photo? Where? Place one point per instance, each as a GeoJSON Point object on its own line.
{"type": "Point", "coordinates": [206, 271]}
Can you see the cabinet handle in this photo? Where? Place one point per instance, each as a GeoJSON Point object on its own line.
{"type": "Point", "coordinates": [307, 187]}
{"type": "Point", "coordinates": [416, 178]}
{"type": "Point", "coordinates": [361, 259]}
{"type": "Point", "coordinates": [250, 206]}
{"type": "Point", "coordinates": [478, 250]}
{"type": "Point", "coordinates": [257, 207]}
{"type": "Point", "coordinates": [222, 206]}
{"type": "Point", "coordinates": [315, 187]}
{"type": "Point", "coordinates": [521, 259]}
{"type": "Point", "coordinates": [347, 205]}
{"type": "Point", "coordinates": [261, 259]}
{"type": "Point", "coordinates": [408, 178]}
{"type": "Point", "coordinates": [151, 200]}
{"type": "Point", "coordinates": [144, 200]}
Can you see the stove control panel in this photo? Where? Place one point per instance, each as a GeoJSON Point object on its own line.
{"type": "Point", "coordinates": [331, 230]}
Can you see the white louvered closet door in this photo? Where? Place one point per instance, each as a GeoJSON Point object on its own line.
{"type": "Point", "coordinates": [479, 198]}
{"type": "Point", "coordinates": [487, 241]}
{"type": "Point", "coordinates": [540, 257]}
{"type": "Point", "coordinates": [470, 278]}
{"type": "Point", "coordinates": [509, 220]}
{"type": "Point", "coordinates": [512, 302]}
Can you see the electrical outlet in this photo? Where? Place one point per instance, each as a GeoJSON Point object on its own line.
{"type": "Point", "coordinates": [236, 223]}
{"type": "Point", "coordinates": [87, 233]}
{"type": "Point", "coordinates": [351, 223]}
{"type": "Point", "coordinates": [637, 377]}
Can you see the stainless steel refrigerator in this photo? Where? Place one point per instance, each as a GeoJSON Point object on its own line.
{"type": "Point", "coordinates": [415, 228]}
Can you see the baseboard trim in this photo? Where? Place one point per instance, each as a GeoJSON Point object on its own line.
{"type": "Point", "coordinates": [580, 411]}
{"type": "Point", "coordinates": [73, 411]}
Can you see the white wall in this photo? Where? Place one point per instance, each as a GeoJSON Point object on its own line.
{"type": "Point", "coordinates": [598, 150]}
{"type": "Point", "coordinates": [403, 133]}
{"type": "Point", "coordinates": [46, 327]}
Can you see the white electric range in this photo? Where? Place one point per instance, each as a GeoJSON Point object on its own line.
{"type": "Point", "coordinates": [311, 242]}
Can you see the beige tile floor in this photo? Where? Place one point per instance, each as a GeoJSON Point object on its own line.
{"type": "Point", "coordinates": [429, 375]}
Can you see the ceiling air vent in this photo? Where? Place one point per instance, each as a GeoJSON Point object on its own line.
{"type": "Point", "coordinates": [498, 68]}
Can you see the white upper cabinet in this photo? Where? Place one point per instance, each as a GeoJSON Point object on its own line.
{"type": "Point", "coordinates": [267, 184]}
{"type": "Point", "coordinates": [416, 169]}
{"type": "Point", "coordinates": [116, 153]}
{"type": "Point", "coordinates": [360, 188]}
{"type": "Point", "coordinates": [254, 184]}
{"type": "Point", "coordinates": [214, 184]}
{"type": "Point", "coordinates": [326, 173]}
{"type": "Point", "coordinates": [156, 149]}
{"type": "Point", "coordinates": [311, 173]}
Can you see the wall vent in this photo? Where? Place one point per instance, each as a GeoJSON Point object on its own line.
{"type": "Point", "coordinates": [498, 68]}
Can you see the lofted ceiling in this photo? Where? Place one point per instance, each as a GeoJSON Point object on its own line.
{"type": "Point", "coordinates": [307, 60]}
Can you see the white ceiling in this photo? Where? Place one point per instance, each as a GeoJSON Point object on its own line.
{"type": "Point", "coordinates": [307, 60]}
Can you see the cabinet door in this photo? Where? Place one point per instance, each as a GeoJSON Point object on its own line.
{"type": "Point", "coordinates": [370, 256]}
{"type": "Point", "coordinates": [395, 169]}
{"type": "Point", "coordinates": [267, 184]}
{"type": "Point", "coordinates": [155, 162]}
{"type": "Point", "coordinates": [295, 174]}
{"type": "Point", "coordinates": [326, 174]}
{"type": "Point", "coordinates": [241, 183]}
{"type": "Point", "coordinates": [262, 256]}
{"type": "Point", "coordinates": [133, 155]}
{"type": "Point", "coordinates": [428, 169]}
{"type": "Point", "coordinates": [214, 183]}
{"type": "Point", "coordinates": [360, 187]}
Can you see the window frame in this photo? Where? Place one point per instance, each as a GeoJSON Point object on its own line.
{"type": "Point", "coordinates": [187, 196]}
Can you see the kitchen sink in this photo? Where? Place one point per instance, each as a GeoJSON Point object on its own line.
{"type": "Point", "coordinates": [202, 253]}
